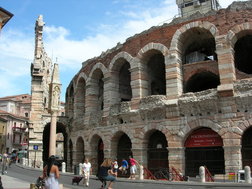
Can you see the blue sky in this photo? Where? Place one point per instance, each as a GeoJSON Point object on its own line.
{"type": "Point", "coordinates": [75, 30]}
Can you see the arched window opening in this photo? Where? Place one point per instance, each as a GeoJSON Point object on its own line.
{"type": "Point", "coordinates": [156, 74]}
{"type": "Point", "coordinates": [124, 82]}
{"type": "Point", "coordinates": [100, 93]}
{"type": "Point", "coordinates": [202, 81]}
{"type": "Point", "coordinates": [100, 152]}
{"type": "Point", "coordinates": [199, 45]}
{"type": "Point", "coordinates": [80, 98]}
{"type": "Point", "coordinates": [247, 148]}
{"type": "Point", "coordinates": [157, 152]}
{"type": "Point", "coordinates": [80, 150]}
{"type": "Point", "coordinates": [243, 55]}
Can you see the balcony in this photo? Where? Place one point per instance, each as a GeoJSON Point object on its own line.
{"type": "Point", "coordinates": [18, 129]}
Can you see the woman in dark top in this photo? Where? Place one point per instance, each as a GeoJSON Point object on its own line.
{"type": "Point", "coordinates": [106, 172]}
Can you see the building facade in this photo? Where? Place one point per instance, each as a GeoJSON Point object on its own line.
{"type": "Point", "coordinates": [177, 95]}
{"type": "Point", "coordinates": [15, 110]}
{"type": "Point", "coordinates": [5, 16]}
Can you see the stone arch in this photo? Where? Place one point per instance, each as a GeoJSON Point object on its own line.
{"type": "Point", "coordinates": [153, 46]}
{"type": "Point", "coordinates": [95, 91]}
{"type": "Point", "coordinates": [121, 55]}
{"type": "Point", "coordinates": [121, 145]}
{"type": "Point", "coordinates": [244, 125]}
{"type": "Point", "coordinates": [97, 66]}
{"type": "Point", "coordinates": [233, 33]}
{"type": "Point", "coordinates": [61, 140]}
{"type": "Point", "coordinates": [201, 80]}
{"type": "Point", "coordinates": [153, 66]}
{"type": "Point", "coordinates": [204, 146]}
{"type": "Point", "coordinates": [80, 97]}
{"type": "Point", "coordinates": [240, 39]}
{"type": "Point", "coordinates": [83, 76]}
{"type": "Point", "coordinates": [79, 150]}
{"type": "Point", "coordinates": [198, 123]}
{"type": "Point", "coordinates": [96, 151]}
{"type": "Point", "coordinates": [179, 52]}
{"type": "Point", "coordinates": [175, 42]}
{"type": "Point", "coordinates": [156, 150]}
{"type": "Point", "coordinates": [120, 67]}
{"type": "Point", "coordinates": [70, 100]}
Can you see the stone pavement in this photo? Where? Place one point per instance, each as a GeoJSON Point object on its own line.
{"type": "Point", "coordinates": [11, 183]}
{"type": "Point", "coordinates": [15, 183]}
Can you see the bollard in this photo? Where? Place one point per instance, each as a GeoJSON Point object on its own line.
{"type": "Point", "coordinates": [202, 174]}
{"type": "Point", "coordinates": [32, 186]}
{"type": "Point", "coordinates": [61, 186]}
{"type": "Point", "coordinates": [247, 174]}
{"type": "Point", "coordinates": [23, 161]}
{"type": "Point", "coordinates": [29, 162]}
{"type": "Point", "coordinates": [141, 176]}
{"type": "Point", "coordinates": [80, 167]}
{"type": "Point", "coordinates": [63, 167]}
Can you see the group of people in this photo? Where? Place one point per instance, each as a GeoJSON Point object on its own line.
{"type": "Point", "coordinates": [108, 171]}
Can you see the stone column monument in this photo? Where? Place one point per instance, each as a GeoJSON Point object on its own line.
{"type": "Point", "coordinates": [54, 108]}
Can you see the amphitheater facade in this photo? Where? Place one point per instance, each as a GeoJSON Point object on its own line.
{"type": "Point", "coordinates": [177, 95]}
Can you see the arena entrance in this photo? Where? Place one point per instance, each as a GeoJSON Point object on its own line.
{"type": "Point", "coordinates": [157, 152]}
{"type": "Point", "coordinates": [204, 147]}
{"type": "Point", "coordinates": [124, 150]}
{"type": "Point", "coordinates": [247, 148]}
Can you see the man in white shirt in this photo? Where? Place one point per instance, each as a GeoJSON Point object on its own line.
{"type": "Point", "coordinates": [86, 171]}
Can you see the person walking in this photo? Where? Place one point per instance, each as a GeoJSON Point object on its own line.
{"type": "Point", "coordinates": [133, 168]}
{"type": "Point", "coordinates": [86, 172]}
{"type": "Point", "coordinates": [51, 174]}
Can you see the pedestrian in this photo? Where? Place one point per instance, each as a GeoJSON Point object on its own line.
{"type": "Point", "coordinates": [115, 167]}
{"type": "Point", "coordinates": [86, 172]}
{"type": "Point", "coordinates": [124, 166]}
{"type": "Point", "coordinates": [133, 168]}
{"type": "Point", "coordinates": [51, 174]}
{"type": "Point", "coordinates": [106, 173]}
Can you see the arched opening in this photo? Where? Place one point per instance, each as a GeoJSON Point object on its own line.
{"type": "Point", "coordinates": [202, 81]}
{"type": "Point", "coordinates": [243, 55]}
{"type": "Point", "coordinates": [124, 150]}
{"type": "Point", "coordinates": [80, 156]}
{"type": "Point", "coordinates": [97, 153]}
{"type": "Point", "coordinates": [80, 98]}
{"type": "Point", "coordinates": [156, 73]}
{"type": "Point", "coordinates": [157, 152]}
{"type": "Point", "coordinates": [247, 148]}
{"type": "Point", "coordinates": [124, 82]}
{"type": "Point", "coordinates": [70, 156]}
{"type": "Point", "coordinates": [198, 46]}
{"type": "Point", "coordinates": [204, 147]}
{"type": "Point", "coordinates": [98, 87]}
{"type": "Point", "coordinates": [100, 153]}
{"type": "Point", "coordinates": [70, 102]}
{"type": "Point", "coordinates": [61, 143]}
